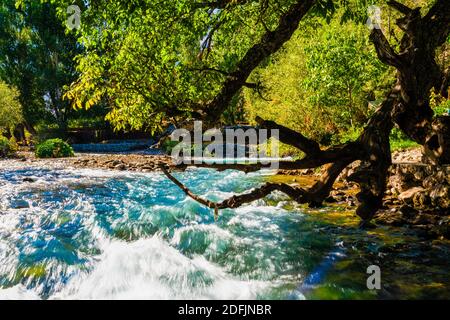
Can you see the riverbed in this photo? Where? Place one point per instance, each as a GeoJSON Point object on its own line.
{"type": "Point", "coordinates": [71, 233]}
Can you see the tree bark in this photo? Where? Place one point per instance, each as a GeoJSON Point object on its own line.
{"type": "Point", "coordinates": [418, 73]}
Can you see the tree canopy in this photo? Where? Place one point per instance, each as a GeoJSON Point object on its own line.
{"type": "Point", "coordinates": [154, 61]}
{"type": "Point", "coordinates": [37, 57]}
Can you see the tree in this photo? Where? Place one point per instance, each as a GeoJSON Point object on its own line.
{"type": "Point", "coordinates": [181, 58]}
{"type": "Point", "coordinates": [37, 57]}
{"type": "Point", "coordinates": [10, 109]}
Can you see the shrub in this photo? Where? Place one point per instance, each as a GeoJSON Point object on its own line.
{"type": "Point", "coordinates": [6, 148]}
{"type": "Point", "coordinates": [54, 148]}
{"type": "Point", "coordinates": [168, 145]}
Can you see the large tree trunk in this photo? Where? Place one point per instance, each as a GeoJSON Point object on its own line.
{"type": "Point", "coordinates": [418, 73]}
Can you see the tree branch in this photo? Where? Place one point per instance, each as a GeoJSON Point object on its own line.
{"type": "Point", "coordinates": [384, 50]}
{"type": "Point", "coordinates": [270, 43]}
{"type": "Point", "coordinates": [236, 201]}
{"type": "Point", "coordinates": [437, 22]}
{"type": "Point", "coordinates": [291, 137]}
{"type": "Point", "coordinates": [399, 7]}
{"type": "Point", "coordinates": [219, 4]}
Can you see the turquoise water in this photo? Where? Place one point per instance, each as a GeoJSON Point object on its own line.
{"type": "Point", "coordinates": [92, 234]}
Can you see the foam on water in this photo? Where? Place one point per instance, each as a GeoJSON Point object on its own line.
{"type": "Point", "coordinates": [151, 269]}
{"type": "Point", "coordinates": [94, 234]}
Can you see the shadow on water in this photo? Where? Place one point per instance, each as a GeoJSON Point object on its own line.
{"type": "Point", "coordinates": [98, 234]}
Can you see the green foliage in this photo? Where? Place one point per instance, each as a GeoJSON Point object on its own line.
{"type": "Point", "coordinates": [154, 60]}
{"type": "Point", "coordinates": [54, 148]}
{"type": "Point", "coordinates": [343, 73]}
{"type": "Point", "coordinates": [324, 83]}
{"type": "Point", "coordinates": [440, 105]}
{"type": "Point", "coordinates": [442, 108]}
{"type": "Point", "coordinates": [6, 147]}
{"type": "Point", "coordinates": [399, 141]}
{"type": "Point", "coordinates": [349, 135]}
{"type": "Point", "coordinates": [37, 57]}
{"type": "Point", "coordinates": [146, 59]}
{"type": "Point", "coordinates": [10, 108]}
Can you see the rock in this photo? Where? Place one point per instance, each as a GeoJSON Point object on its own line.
{"type": "Point", "coordinates": [408, 196]}
{"type": "Point", "coordinates": [401, 182]}
{"type": "Point", "coordinates": [425, 219]}
{"type": "Point", "coordinates": [390, 218]}
{"type": "Point", "coordinates": [121, 167]}
{"type": "Point", "coordinates": [116, 163]}
{"type": "Point", "coordinates": [421, 200]}
{"type": "Point", "coordinates": [440, 196]}
{"type": "Point", "coordinates": [408, 212]}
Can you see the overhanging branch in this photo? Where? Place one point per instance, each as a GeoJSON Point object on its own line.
{"type": "Point", "coordinates": [297, 194]}
{"type": "Point", "coordinates": [291, 137]}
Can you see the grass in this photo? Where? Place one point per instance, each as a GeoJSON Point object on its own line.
{"type": "Point", "coordinates": [403, 144]}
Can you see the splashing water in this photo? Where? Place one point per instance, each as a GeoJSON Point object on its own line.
{"type": "Point", "coordinates": [93, 234]}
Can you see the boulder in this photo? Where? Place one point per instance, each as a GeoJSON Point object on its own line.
{"type": "Point", "coordinates": [440, 196]}
{"type": "Point", "coordinates": [408, 195]}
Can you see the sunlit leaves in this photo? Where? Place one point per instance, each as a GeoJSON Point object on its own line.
{"type": "Point", "coordinates": [322, 82]}
{"type": "Point", "coordinates": [10, 108]}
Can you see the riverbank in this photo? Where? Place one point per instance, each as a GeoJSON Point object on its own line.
{"type": "Point", "coordinates": [417, 196]}
{"type": "Point", "coordinates": [135, 162]}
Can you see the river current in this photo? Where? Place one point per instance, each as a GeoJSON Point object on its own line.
{"type": "Point", "coordinates": [95, 234]}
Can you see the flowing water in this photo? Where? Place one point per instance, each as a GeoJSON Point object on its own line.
{"type": "Point", "coordinates": [93, 234]}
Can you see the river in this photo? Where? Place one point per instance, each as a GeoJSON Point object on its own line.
{"type": "Point", "coordinates": [97, 234]}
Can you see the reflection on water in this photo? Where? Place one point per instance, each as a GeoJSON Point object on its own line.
{"type": "Point", "coordinates": [89, 234]}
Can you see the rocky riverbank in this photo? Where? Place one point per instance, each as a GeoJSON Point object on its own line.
{"type": "Point", "coordinates": [418, 195]}
{"type": "Point", "coordinates": [122, 162]}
